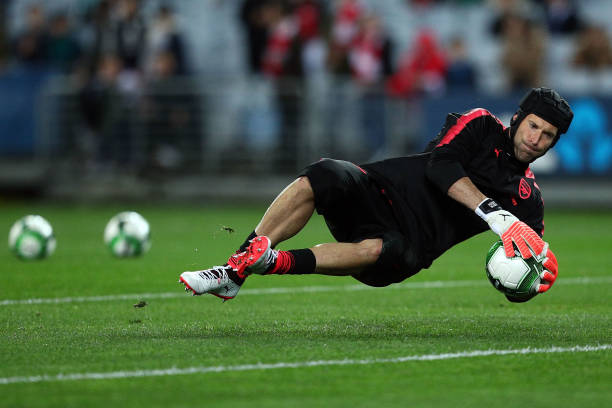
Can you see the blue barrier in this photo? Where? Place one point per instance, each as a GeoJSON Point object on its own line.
{"type": "Point", "coordinates": [19, 90]}
{"type": "Point", "coordinates": [587, 146]}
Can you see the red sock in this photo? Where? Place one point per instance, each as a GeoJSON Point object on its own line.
{"type": "Point", "coordinates": [294, 262]}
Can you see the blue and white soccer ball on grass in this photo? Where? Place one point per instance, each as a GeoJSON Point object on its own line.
{"type": "Point", "coordinates": [127, 234]}
{"type": "Point", "coordinates": [516, 277]}
{"type": "Point", "coordinates": [31, 237]}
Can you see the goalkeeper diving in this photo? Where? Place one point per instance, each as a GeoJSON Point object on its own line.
{"type": "Point", "coordinates": [393, 218]}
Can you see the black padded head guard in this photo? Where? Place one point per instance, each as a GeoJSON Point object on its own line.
{"type": "Point", "coordinates": [547, 104]}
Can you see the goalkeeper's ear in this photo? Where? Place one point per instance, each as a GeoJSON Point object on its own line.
{"type": "Point", "coordinates": [521, 299]}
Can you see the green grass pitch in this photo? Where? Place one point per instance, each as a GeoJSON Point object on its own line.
{"type": "Point", "coordinates": [444, 338]}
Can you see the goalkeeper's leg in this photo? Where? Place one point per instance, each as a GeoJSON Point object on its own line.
{"type": "Point", "coordinates": [285, 217]}
{"type": "Point", "coordinates": [334, 258]}
{"type": "Point", "coordinates": [288, 213]}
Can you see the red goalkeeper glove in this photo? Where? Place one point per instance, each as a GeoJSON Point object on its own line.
{"type": "Point", "coordinates": [550, 272]}
{"type": "Point", "coordinates": [511, 230]}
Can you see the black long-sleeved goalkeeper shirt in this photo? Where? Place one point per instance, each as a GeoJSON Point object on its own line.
{"type": "Point", "coordinates": [474, 144]}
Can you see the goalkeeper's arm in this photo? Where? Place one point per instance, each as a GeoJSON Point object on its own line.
{"type": "Point", "coordinates": [510, 229]}
{"type": "Point", "coordinates": [503, 223]}
{"type": "Point", "coordinates": [466, 192]}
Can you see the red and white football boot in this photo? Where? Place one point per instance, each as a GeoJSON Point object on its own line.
{"type": "Point", "coordinates": [257, 258]}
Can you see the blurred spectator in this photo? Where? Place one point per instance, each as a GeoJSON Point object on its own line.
{"type": "Point", "coordinates": [98, 36]}
{"type": "Point", "coordinates": [461, 73]}
{"type": "Point", "coordinates": [523, 54]}
{"type": "Point", "coordinates": [100, 109]}
{"type": "Point", "coordinates": [282, 62]}
{"type": "Point", "coordinates": [344, 30]}
{"type": "Point", "coordinates": [370, 61]}
{"type": "Point", "coordinates": [63, 49]}
{"type": "Point", "coordinates": [310, 18]}
{"type": "Point", "coordinates": [422, 69]}
{"type": "Point", "coordinates": [593, 49]}
{"type": "Point", "coordinates": [31, 42]}
{"type": "Point", "coordinates": [164, 37]}
{"type": "Point", "coordinates": [279, 56]}
{"type": "Point", "coordinates": [504, 11]}
{"type": "Point", "coordinates": [170, 117]}
{"type": "Point", "coordinates": [131, 34]}
{"type": "Point", "coordinates": [370, 52]}
{"type": "Point", "coordinates": [164, 66]}
{"type": "Point", "coordinates": [291, 28]}
{"type": "Point", "coordinates": [561, 16]}
{"type": "Point", "coordinates": [256, 30]}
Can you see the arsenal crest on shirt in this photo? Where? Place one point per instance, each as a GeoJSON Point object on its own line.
{"type": "Point", "coordinates": [524, 189]}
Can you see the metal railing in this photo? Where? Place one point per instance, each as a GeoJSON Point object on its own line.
{"type": "Point", "coordinates": [198, 127]}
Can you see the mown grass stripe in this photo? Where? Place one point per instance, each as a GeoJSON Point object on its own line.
{"type": "Point", "coordinates": [300, 364]}
{"type": "Point", "coordinates": [303, 289]}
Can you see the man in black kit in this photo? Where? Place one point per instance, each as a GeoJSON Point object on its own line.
{"type": "Point", "coordinates": [392, 218]}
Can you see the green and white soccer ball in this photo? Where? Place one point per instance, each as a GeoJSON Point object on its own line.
{"type": "Point", "coordinates": [516, 277]}
{"type": "Point", "coordinates": [127, 234]}
{"type": "Point", "coordinates": [31, 237]}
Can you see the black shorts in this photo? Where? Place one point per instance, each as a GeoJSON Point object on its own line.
{"type": "Point", "coordinates": [355, 208]}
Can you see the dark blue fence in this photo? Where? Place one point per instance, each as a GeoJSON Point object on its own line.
{"type": "Point", "coordinates": [19, 91]}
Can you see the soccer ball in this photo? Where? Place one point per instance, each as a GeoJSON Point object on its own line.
{"type": "Point", "coordinates": [127, 234]}
{"type": "Point", "coordinates": [31, 237]}
{"type": "Point", "coordinates": [516, 277]}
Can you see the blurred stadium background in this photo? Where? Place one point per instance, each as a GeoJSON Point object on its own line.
{"type": "Point", "coordinates": [210, 99]}
{"type": "Point", "coordinates": [206, 109]}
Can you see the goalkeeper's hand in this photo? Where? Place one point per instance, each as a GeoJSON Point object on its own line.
{"type": "Point", "coordinates": [512, 230]}
{"type": "Point", "coordinates": [549, 273]}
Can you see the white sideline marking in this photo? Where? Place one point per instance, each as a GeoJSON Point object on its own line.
{"type": "Point", "coordinates": [302, 289]}
{"type": "Point", "coordinates": [299, 364]}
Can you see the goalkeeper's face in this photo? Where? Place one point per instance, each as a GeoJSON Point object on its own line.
{"type": "Point", "coordinates": [533, 138]}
